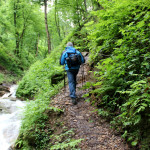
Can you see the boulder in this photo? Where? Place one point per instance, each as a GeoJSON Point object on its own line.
{"type": "Point", "coordinates": [2, 93]}
{"type": "Point", "coordinates": [4, 88]}
{"type": "Point", "coordinates": [11, 147]}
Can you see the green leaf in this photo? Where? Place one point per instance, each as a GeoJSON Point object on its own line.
{"type": "Point", "coordinates": [125, 134]}
{"type": "Point", "coordinates": [134, 143]}
{"type": "Point", "coordinates": [131, 72]}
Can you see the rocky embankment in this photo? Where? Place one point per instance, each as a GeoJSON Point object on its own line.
{"type": "Point", "coordinates": [4, 89]}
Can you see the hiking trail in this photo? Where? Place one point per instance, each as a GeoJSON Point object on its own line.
{"type": "Point", "coordinates": [85, 121]}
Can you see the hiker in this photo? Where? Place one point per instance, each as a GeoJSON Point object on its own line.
{"type": "Point", "coordinates": [72, 59]}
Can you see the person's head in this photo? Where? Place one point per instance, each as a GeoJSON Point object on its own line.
{"type": "Point", "coordinates": [69, 44]}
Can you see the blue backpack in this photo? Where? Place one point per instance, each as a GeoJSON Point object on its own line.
{"type": "Point", "coordinates": [73, 59]}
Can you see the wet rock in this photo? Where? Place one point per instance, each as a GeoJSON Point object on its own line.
{"type": "Point", "coordinates": [10, 148]}
{"type": "Point", "coordinates": [12, 98]}
{"type": "Point", "coordinates": [4, 88]}
{"type": "Point", "coordinates": [2, 93]}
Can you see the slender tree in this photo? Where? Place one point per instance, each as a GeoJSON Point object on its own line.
{"type": "Point", "coordinates": [57, 20]}
{"type": "Point", "coordinates": [44, 2]}
{"type": "Point", "coordinates": [15, 25]}
{"type": "Point", "coordinates": [46, 26]}
{"type": "Point", "coordinates": [85, 4]}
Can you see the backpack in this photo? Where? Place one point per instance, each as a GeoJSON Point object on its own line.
{"type": "Point", "coordinates": [73, 59]}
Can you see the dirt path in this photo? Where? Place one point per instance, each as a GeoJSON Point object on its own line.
{"type": "Point", "coordinates": [95, 131]}
{"type": "Point", "coordinates": [87, 125]}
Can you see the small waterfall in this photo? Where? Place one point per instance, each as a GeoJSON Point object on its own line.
{"type": "Point", "coordinates": [10, 118]}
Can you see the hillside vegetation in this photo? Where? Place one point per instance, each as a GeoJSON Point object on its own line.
{"type": "Point", "coordinates": [117, 36]}
{"type": "Point", "coordinates": [119, 48]}
{"type": "Point", "coordinates": [118, 42]}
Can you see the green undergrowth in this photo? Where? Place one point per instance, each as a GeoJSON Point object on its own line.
{"type": "Point", "coordinates": [1, 78]}
{"type": "Point", "coordinates": [64, 141]}
{"type": "Point", "coordinates": [119, 47]}
{"type": "Point", "coordinates": [42, 127]}
{"type": "Point", "coordinates": [39, 77]}
{"type": "Point", "coordinates": [9, 78]}
{"type": "Point", "coordinates": [47, 72]}
{"type": "Point", "coordinates": [80, 39]}
{"type": "Point", "coordinates": [9, 61]}
{"type": "Point", "coordinates": [41, 121]}
{"type": "Point", "coordinates": [35, 130]}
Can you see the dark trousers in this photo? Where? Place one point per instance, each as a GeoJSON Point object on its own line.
{"type": "Point", "coordinates": [72, 74]}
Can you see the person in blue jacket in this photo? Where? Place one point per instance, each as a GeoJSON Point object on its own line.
{"type": "Point", "coordinates": [71, 71]}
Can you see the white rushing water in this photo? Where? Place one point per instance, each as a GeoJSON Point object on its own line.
{"type": "Point", "coordinates": [10, 118]}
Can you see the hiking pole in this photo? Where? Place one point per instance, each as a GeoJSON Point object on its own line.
{"type": "Point", "coordinates": [82, 74]}
{"type": "Point", "coordinates": [64, 82]}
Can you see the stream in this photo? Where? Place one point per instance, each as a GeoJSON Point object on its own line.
{"type": "Point", "coordinates": [11, 110]}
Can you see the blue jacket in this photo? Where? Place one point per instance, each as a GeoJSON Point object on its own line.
{"type": "Point", "coordinates": [65, 55]}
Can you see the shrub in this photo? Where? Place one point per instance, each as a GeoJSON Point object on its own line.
{"type": "Point", "coordinates": [119, 45]}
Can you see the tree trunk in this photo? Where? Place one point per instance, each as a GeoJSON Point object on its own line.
{"type": "Point", "coordinates": [46, 26]}
{"type": "Point", "coordinates": [78, 13]}
{"type": "Point", "coordinates": [63, 31]}
{"type": "Point", "coordinates": [21, 38]}
{"type": "Point", "coordinates": [57, 20]}
{"type": "Point", "coordinates": [16, 32]}
{"type": "Point", "coordinates": [92, 4]}
{"type": "Point", "coordinates": [85, 4]}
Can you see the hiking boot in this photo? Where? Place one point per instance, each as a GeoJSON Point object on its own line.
{"type": "Point", "coordinates": [74, 101]}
